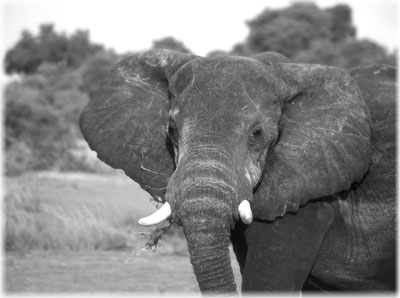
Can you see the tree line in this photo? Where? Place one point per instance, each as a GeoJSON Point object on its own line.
{"type": "Point", "coordinates": [58, 72]}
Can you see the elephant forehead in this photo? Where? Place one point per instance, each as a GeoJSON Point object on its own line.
{"type": "Point", "coordinates": [222, 73]}
{"type": "Point", "coordinates": [224, 69]}
{"type": "Point", "coordinates": [208, 103]}
{"type": "Point", "coordinates": [224, 84]}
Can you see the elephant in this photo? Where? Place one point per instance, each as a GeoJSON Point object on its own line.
{"type": "Point", "coordinates": [292, 164]}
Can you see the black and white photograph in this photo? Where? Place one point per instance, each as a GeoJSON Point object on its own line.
{"type": "Point", "coordinates": [171, 148]}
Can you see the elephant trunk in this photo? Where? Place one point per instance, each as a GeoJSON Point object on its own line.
{"type": "Point", "coordinates": [204, 192]}
{"type": "Point", "coordinates": [208, 242]}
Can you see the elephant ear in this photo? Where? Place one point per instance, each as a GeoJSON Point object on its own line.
{"type": "Point", "coordinates": [126, 118]}
{"type": "Point", "coordinates": [324, 142]}
{"type": "Point", "coordinates": [378, 85]}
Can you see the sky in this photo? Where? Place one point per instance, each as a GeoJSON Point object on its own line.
{"type": "Point", "coordinates": [203, 26]}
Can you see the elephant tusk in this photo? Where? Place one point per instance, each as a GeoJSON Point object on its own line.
{"type": "Point", "coordinates": [158, 216]}
{"type": "Point", "coordinates": [245, 212]}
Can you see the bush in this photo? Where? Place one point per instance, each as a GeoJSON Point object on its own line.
{"type": "Point", "coordinates": [41, 120]}
{"type": "Point", "coordinates": [95, 70]}
{"type": "Point", "coordinates": [19, 155]}
{"type": "Point", "coordinates": [42, 107]}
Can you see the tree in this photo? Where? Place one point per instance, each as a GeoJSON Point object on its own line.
{"type": "Point", "coordinates": [217, 53]}
{"type": "Point", "coordinates": [306, 33]}
{"type": "Point", "coordinates": [341, 23]}
{"type": "Point", "coordinates": [358, 52]}
{"type": "Point", "coordinates": [79, 48]}
{"type": "Point", "coordinates": [289, 30]}
{"type": "Point", "coordinates": [49, 46]}
{"type": "Point", "coordinates": [95, 69]}
{"type": "Point", "coordinates": [320, 52]}
{"type": "Point", "coordinates": [24, 57]}
{"type": "Point", "coordinates": [170, 43]}
{"type": "Point", "coordinates": [347, 54]}
{"type": "Point", "coordinates": [241, 49]}
{"type": "Point", "coordinates": [57, 72]}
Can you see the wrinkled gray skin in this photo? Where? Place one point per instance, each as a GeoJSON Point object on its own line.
{"type": "Point", "coordinates": [297, 141]}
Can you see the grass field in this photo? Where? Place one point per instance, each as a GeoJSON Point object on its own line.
{"type": "Point", "coordinates": [98, 272]}
{"type": "Point", "coordinates": [79, 233]}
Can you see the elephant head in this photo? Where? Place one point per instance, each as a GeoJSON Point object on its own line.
{"type": "Point", "coordinates": [227, 139]}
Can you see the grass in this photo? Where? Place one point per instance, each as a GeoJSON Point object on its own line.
{"type": "Point", "coordinates": [51, 211]}
{"type": "Point", "coordinates": [98, 271]}
{"type": "Point", "coordinates": [78, 233]}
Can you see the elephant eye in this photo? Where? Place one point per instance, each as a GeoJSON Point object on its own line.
{"type": "Point", "coordinates": [256, 136]}
{"type": "Point", "coordinates": [256, 133]}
